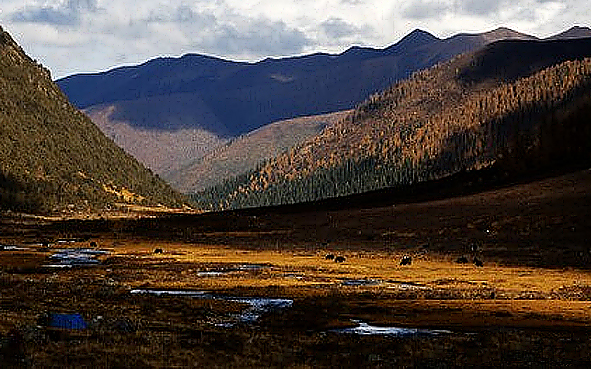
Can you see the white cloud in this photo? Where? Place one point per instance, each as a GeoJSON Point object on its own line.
{"type": "Point", "coordinates": [68, 13]}
{"type": "Point", "coordinates": [71, 36]}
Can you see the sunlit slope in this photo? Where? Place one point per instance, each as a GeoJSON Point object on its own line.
{"type": "Point", "coordinates": [52, 157]}
{"type": "Point", "coordinates": [515, 104]}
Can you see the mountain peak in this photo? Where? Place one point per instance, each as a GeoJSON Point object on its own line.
{"type": "Point", "coordinates": [504, 33]}
{"type": "Point", "coordinates": [414, 39]}
{"type": "Point", "coordinates": [418, 35]}
{"type": "Point", "coordinates": [572, 33]}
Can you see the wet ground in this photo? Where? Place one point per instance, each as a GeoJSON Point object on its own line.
{"type": "Point", "coordinates": [258, 288]}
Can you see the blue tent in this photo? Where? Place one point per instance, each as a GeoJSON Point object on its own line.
{"type": "Point", "coordinates": [67, 321]}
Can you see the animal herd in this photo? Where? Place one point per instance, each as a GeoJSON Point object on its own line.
{"type": "Point", "coordinates": [407, 259]}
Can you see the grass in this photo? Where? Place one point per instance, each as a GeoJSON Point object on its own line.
{"type": "Point", "coordinates": [532, 307]}
{"type": "Point", "coordinates": [529, 305]}
{"type": "Point", "coordinates": [431, 271]}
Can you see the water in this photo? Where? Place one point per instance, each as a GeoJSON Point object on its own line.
{"type": "Point", "coordinates": [257, 306]}
{"type": "Point", "coordinates": [247, 267]}
{"type": "Point", "coordinates": [360, 282]}
{"type": "Point", "coordinates": [212, 273]}
{"type": "Point", "coordinates": [168, 293]}
{"type": "Point", "coordinates": [405, 286]}
{"type": "Point", "coordinates": [364, 329]}
{"type": "Point", "coordinates": [219, 272]}
{"type": "Point", "coordinates": [12, 248]}
{"type": "Point", "coordinates": [67, 258]}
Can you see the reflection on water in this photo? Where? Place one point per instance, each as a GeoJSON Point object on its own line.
{"type": "Point", "coordinates": [360, 282]}
{"type": "Point", "coordinates": [365, 329]}
{"type": "Point", "coordinates": [168, 293]}
{"type": "Point", "coordinates": [12, 248]}
{"type": "Point", "coordinates": [66, 258]}
{"type": "Point", "coordinates": [257, 306]}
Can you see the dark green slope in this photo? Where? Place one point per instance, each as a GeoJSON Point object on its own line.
{"type": "Point", "coordinates": [52, 157]}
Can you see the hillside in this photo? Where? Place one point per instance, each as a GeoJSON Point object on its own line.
{"type": "Point", "coordinates": [162, 151]}
{"type": "Point", "coordinates": [246, 152]}
{"type": "Point", "coordinates": [515, 105]}
{"type": "Point", "coordinates": [574, 32]}
{"type": "Point", "coordinates": [200, 101]}
{"type": "Point", "coordinates": [52, 157]}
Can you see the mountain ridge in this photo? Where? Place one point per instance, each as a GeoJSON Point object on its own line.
{"type": "Point", "coordinates": [515, 104]}
{"type": "Point", "coordinates": [573, 32]}
{"type": "Point", "coordinates": [227, 99]}
{"type": "Point", "coordinates": [169, 75]}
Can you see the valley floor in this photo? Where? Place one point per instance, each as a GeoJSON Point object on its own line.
{"type": "Point", "coordinates": [255, 288]}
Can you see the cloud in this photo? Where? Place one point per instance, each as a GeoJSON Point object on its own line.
{"type": "Point", "coordinates": [479, 7]}
{"type": "Point", "coordinates": [180, 14]}
{"type": "Point", "coordinates": [352, 2]}
{"type": "Point", "coordinates": [433, 9]}
{"type": "Point", "coordinates": [338, 28]}
{"type": "Point", "coordinates": [64, 14]}
{"type": "Point", "coordinates": [250, 37]}
{"type": "Point", "coordinates": [224, 31]}
{"type": "Point", "coordinates": [422, 9]}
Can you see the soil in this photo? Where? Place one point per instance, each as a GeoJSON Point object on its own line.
{"type": "Point", "coordinates": [529, 304]}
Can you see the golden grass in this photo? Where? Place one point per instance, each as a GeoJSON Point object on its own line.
{"type": "Point", "coordinates": [433, 291]}
{"type": "Point", "coordinates": [430, 271]}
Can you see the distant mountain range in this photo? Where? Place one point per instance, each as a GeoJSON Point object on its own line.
{"type": "Point", "coordinates": [199, 102]}
{"type": "Point", "coordinates": [515, 105]}
{"type": "Point", "coordinates": [53, 159]}
{"type": "Point", "coordinates": [232, 98]}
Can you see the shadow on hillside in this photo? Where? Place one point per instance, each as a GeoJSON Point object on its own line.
{"type": "Point", "coordinates": [17, 195]}
{"type": "Point", "coordinates": [514, 220]}
{"type": "Point", "coordinates": [507, 61]}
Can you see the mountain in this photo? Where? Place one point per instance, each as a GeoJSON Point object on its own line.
{"type": "Point", "coordinates": [246, 152]}
{"type": "Point", "coordinates": [52, 157]}
{"type": "Point", "coordinates": [515, 106]}
{"type": "Point", "coordinates": [162, 151]}
{"type": "Point", "coordinates": [572, 33]}
{"type": "Point", "coordinates": [202, 101]}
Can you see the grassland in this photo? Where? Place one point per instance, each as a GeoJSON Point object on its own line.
{"type": "Point", "coordinates": [528, 305]}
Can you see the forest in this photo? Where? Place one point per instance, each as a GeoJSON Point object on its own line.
{"type": "Point", "coordinates": [451, 118]}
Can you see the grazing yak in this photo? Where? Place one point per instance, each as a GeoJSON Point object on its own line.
{"type": "Point", "coordinates": [339, 259]}
{"type": "Point", "coordinates": [329, 257]}
{"type": "Point", "coordinates": [406, 260]}
{"type": "Point", "coordinates": [478, 262]}
{"type": "Point", "coordinates": [462, 260]}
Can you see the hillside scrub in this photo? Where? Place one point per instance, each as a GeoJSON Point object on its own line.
{"type": "Point", "coordinates": [52, 157]}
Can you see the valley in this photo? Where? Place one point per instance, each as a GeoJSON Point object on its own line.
{"type": "Point", "coordinates": [145, 108]}
{"type": "Point", "coordinates": [528, 303]}
{"type": "Point", "coordinates": [421, 205]}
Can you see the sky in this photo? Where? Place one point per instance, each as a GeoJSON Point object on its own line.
{"type": "Point", "coordinates": [85, 36]}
